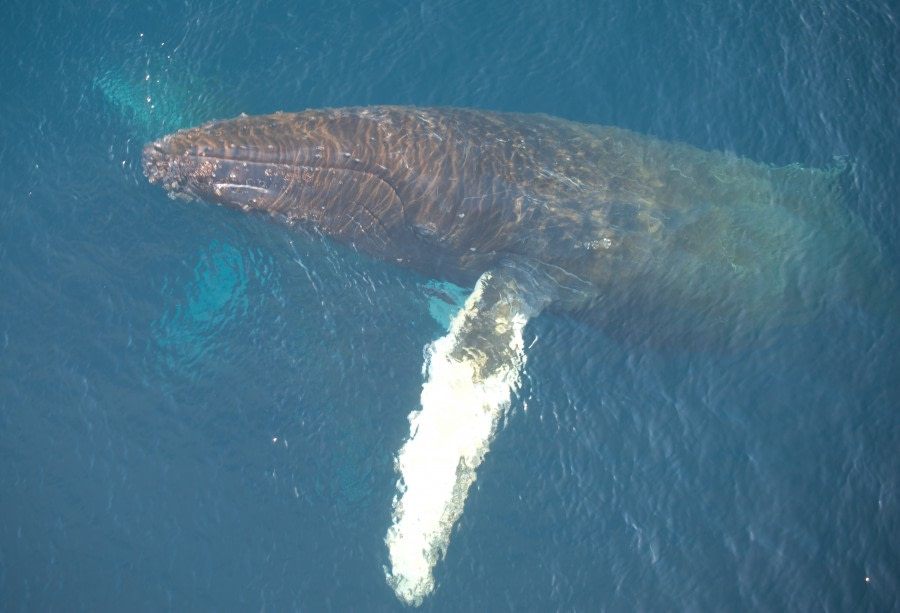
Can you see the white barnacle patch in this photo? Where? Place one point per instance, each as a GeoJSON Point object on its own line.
{"type": "Point", "coordinates": [238, 190]}
{"type": "Point", "coordinates": [601, 244]}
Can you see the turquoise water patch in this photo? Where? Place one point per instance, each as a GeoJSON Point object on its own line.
{"type": "Point", "coordinates": [160, 97]}
{"type": "Point", "coordinates": [444, 300]}
{"type": "Point", "coordinates": [202, 308]}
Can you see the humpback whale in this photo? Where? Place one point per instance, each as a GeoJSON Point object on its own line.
{"type": "Point", "coordinates": [653, 241]}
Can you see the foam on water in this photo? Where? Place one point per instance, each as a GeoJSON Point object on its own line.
{"type": "Point", "coordinates": [462, 405]}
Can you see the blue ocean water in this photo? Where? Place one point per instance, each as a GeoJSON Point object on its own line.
{"type": "Point", "coordinates": [199, 410]}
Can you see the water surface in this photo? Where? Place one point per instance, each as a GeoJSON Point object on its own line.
{"type": "Point", "coordinates": [199, 410]}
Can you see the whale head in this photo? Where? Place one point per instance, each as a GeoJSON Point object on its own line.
{"type": "Point", "coordinates": [311, 171]}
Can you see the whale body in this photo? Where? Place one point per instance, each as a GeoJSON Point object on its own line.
{"type": "Point", "coordinates": [651, 240]}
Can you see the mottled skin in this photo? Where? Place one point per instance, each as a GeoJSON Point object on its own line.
{"type": "Point", "coordinates": [628, 230]}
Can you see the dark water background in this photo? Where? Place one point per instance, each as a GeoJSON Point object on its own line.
{"type": "Point", "coordinates": [198, 410]}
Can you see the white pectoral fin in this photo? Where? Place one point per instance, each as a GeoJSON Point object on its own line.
{"type": "Point", "coordinates": [470, 375]}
